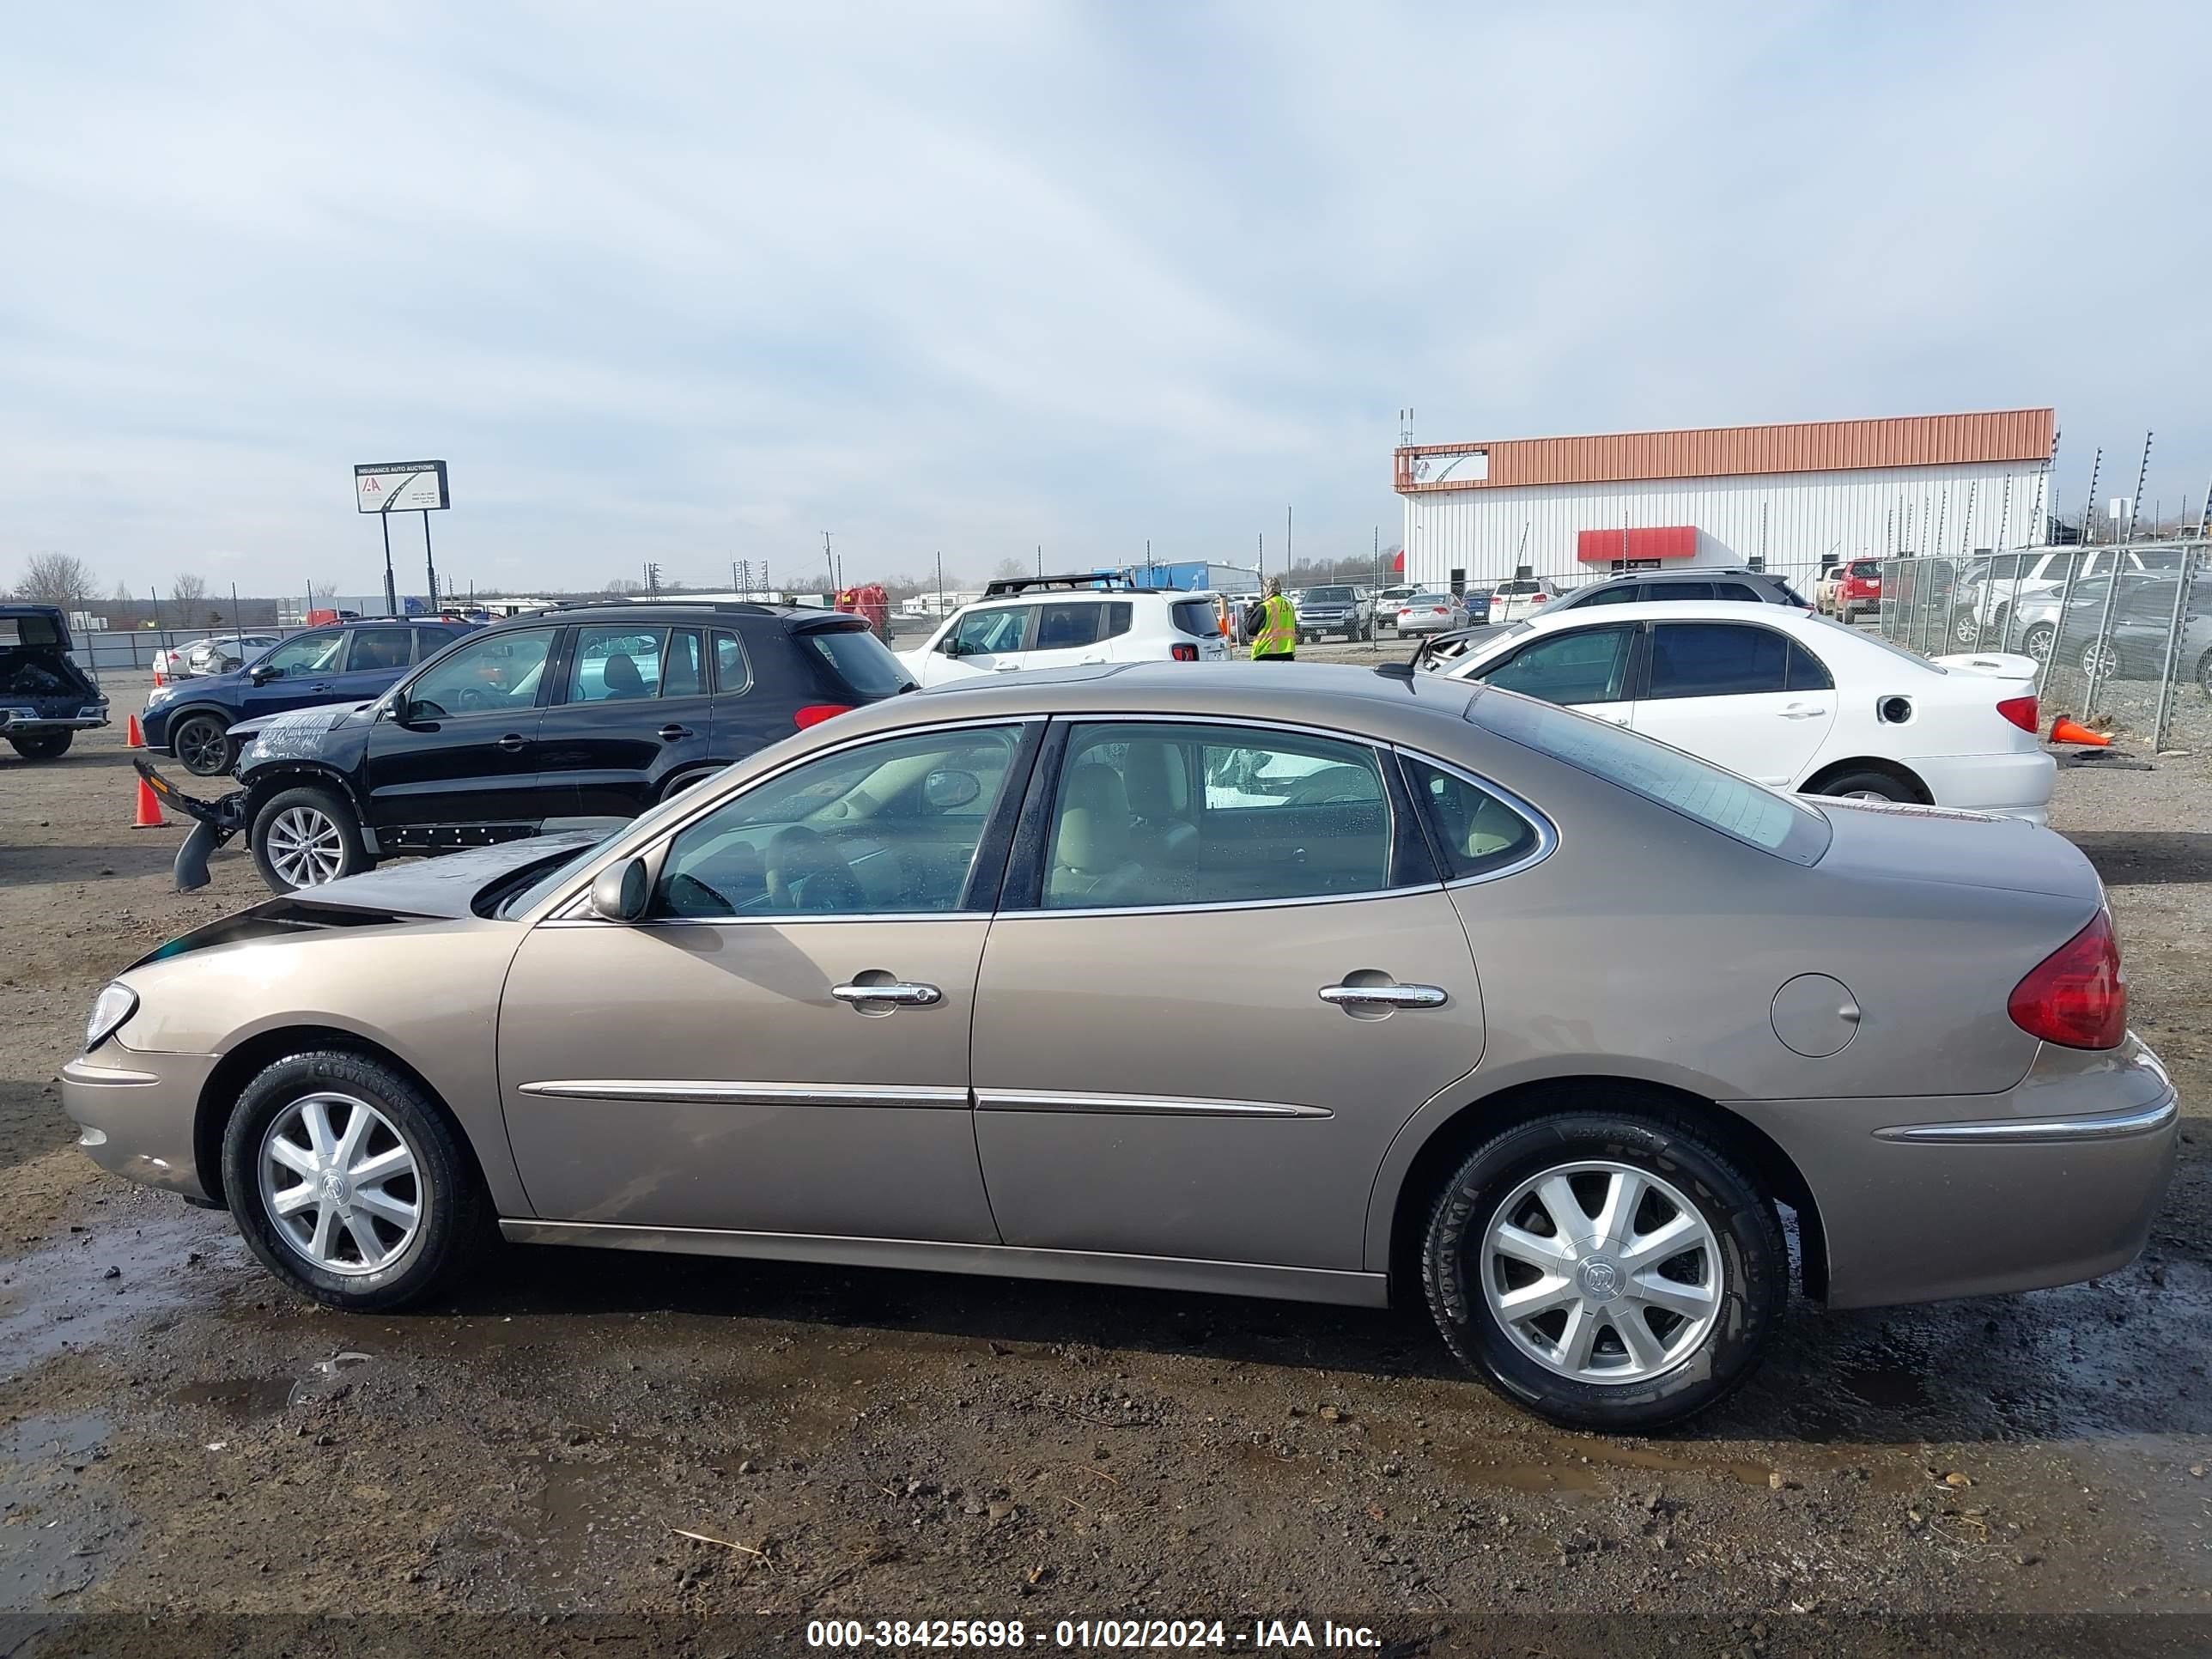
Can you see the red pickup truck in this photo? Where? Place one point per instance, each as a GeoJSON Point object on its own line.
{"type": "Point", "coordinates": [1860, 589]}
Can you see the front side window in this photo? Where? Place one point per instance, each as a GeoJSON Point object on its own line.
{"type": "Point", "coordinates": [494, 673]}
{"type": "Point", "coordinates": [379, 648]}
{"type": "Point", "coordinates": [1479, 834]}
{"type": "Point", "coordinates": [991, 632]}
{"type": "Point", "coordinates": [1589, 664]}
{"type": "Point", "coordinates": [886, 829]}
{"type": "Point", "coordinates": [1717, 659]}
{"type": "Point", "coordinates": [1188, 814]}
{"type": "Point", "coordinates": [1705, 793]}
{"type": "Point", "coordinates": [613, 662]}
{"type": "Point", "coordinates": [306, 654]}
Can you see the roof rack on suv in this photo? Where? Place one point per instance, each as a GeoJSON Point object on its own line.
{"type": "Point", "coordinates": [1003, 586]}
{"type": "Point", "coordinates": [725, 607]}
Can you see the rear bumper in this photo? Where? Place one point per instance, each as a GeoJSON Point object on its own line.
{"type": "Point", "coordinates": [2013, 785]}
{"type": "Point", "coordinates": [2051, 1182]}
{"type": "Point", "coordinates": [134, 1114]}
{"type": "Point", "coordinates": [19, 723]}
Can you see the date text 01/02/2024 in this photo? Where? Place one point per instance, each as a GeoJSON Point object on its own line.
{"type": "Point", "coordinates": [1264, 1636]}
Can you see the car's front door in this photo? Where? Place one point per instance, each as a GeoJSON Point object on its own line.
{"type": "Point", "coordinates": [986, 639]}
{"type": "Point", "coordinates": [633, 712]}
{"type": "Point", "coordinates": [1586, 669]}
{"type": "Point", "coordinates": [1748, 697]}
{"type": "Point", "coordinates": [457, 764]}
{"type": "Point", "coordinates": [1222, 981]}
{"type": "Point", "coordinates": [303, 670]}
{"type": "Point", "coordinates": [781, 1045]}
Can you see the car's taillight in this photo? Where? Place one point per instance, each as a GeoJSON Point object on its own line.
{"type": "Point", "coordinates": [1182, 652]}
{"type": "Point", "coordinates": [815, 713]}
{"type": "Point", "coordinates": [2076, 995]}
{"type": "Point", "coordinates": [2020, 711]}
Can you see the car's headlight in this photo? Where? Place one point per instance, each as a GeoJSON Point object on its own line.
{"type": "Point", "coordinates": [160, 695]}
{"type": "Point", "coordinates": [114, 1005]}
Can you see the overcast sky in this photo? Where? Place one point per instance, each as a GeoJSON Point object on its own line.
{"type": "Point", "coordinates": [697, 284]}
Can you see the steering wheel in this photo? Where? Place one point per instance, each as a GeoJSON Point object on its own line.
{"type": "Point", "coordinates": [471, 697]}
{"type": "Point", "coordinates": [806, 873]}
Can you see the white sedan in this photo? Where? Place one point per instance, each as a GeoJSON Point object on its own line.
{"type": "Point", "coordinates": [1431, 612]}
{"type": "Point", "coordinates": [1795, 701]}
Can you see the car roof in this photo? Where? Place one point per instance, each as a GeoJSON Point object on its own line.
{"type": "Point", "coordinates": [1745, 610]}
{"type": "Point", "coordinates": [645, 613]}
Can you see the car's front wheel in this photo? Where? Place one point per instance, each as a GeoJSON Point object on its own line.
{"type": "Point", "coordinates": [2037, 641]}
{"type": "Point", "coordinates": [43, 746]}
{"type": "Point", "coordinates": [203, 745]}
{"type": "Point", "coordinates": [305, 837]}
{"type": "Point", "coordinates": [1608, 1271]}
{"type": "Point", "coordinates": [348, 1183]}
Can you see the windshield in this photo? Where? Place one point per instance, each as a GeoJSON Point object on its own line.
{"type": "Point", "coordinates": [1329, 595]}
{"type": "Point", "coordinates": [1738, 808]}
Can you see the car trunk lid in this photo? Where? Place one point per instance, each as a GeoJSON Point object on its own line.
{"type": "Point", "coordinates": [1895, 842]}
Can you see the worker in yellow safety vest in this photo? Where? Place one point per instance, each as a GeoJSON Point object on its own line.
{"type": "Point", "coordinates": [1277, 638]}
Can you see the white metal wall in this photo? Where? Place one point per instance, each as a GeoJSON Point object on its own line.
{"type": "Point", "coordinates": [1793, 518]}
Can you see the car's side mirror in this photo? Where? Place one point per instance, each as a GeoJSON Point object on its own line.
{"type": "Point", "coordinates": [619, 891]}
{"type": "Point", "coordinates": [949, 646]}
{"type": "Point", "coordinates": [947, 789]}
{"type": "Point", "coordinates": [264, 673]}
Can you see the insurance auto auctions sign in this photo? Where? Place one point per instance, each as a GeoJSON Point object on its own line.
{"type": "Point", "coordinates": [401, 487]}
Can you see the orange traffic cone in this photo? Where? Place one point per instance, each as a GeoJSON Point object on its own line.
{"type": "Point", "coordinates": [133, 737]}
{"type": "Point", "coordinates": [2065, 731]}
{"type": "Point", "coordinates": [149, 809]}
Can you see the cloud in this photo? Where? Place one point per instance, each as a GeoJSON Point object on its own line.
{"type": "Point", "coordinates": [696, 283]}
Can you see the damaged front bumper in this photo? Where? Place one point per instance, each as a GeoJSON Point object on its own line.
{"type": "Point", "coordinates": [214, 823]}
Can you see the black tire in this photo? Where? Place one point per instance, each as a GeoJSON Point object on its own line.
{"type": "Point", "coordinates": [1750, 1272]}
{"type": "Point", "coordinates": [43, 746]}
{"type": "Point", "coordinates": [202, 744]}
{"type": "Point", "coordinates": [1880, 784]}
{"type": "Point", "coordinates": [454, 1213]}
{"type": "Point", "coordinates": [2036, 642]}
{"type": "Point", "coordinates": [306, 798]}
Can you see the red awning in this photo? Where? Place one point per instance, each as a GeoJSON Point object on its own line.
{"type": "Point", "coordinates": [1603, 546]}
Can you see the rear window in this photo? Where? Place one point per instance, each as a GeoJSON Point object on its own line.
{"type": "Point", "coordinates": [1698, 790]}
{"type": "Point", "coordinates": [1196, 618]}
{"type": "Point", "coordinates": [861, 660]}
{"type": "Point", "coordinates": [1863, 568]}
{"type": "Point", "coordinates": [28, 630]}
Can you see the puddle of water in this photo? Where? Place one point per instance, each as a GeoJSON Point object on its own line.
{"type": "Point", "coordinates": [64, 1298]}
{"type": "Point", "coordinates": [40, 1510]}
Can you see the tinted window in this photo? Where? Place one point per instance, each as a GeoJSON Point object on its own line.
{"type": "Point", "coordinates": [1864, 568]}
{"type": "Point", "coordinates": [992, 631]}
{"type": "Point", "coordinates": [1625, 593]}
{"type": "Point", "coordinates": [306, 653]}
{"type": "Point", "coordinates": [1589, 664]}
{"type": "Point", "coordinates": [613, 662]}
{"type": "Point", "coordinates": [2005, 567]}
{"type": "Point", "coordinates": [1806, 672]}
{"type": "Point", "coordinates": [1329, 595]}
{"type": "Point", "coordinates": [860, 660]}
{"type": "Point", "coordinates": [1478, 832]}
{"type": "Point", "coordinates": [1677, 590]}
{"type": "Point", "coordinates": [1196, 617]}
{"type": "Point", "coordinates": [733, 673]}
{"type": "Point", "coordinates": [1789, 595]}
{"type": "Point", "coordinates": [887, 828]}
{"type": "Point", "coordinates": [1750, 812]}
{"type": "Point", "coordinates": [497, 672]}
{"type": "Point", "coordinates": [1278, 815]}
{"type": "Point", "coordinates": [1065, 625]}
{"type": "Point", "coordinates": [28, 630]}
{"type": "Point", "coordinates": [1734, 591]}
{"type": "Point", "coordinates": [1717, 659]}
{"type": "Point", "coordinates": [375, 649]}
{"type": "Point", "coordinates": [682, 674]}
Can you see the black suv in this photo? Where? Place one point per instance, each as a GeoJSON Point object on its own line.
{"type": "Point", "coordinates": [574, 717]}
{"type": "Point", "coordinates": [1639, 587]}
{"type": "Point", "coordinates": [46, 699]}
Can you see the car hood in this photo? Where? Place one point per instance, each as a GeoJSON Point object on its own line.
{"type": "Point", "coordinates": [446, 886]}
{"type": "Point", "coordinates": [296, 732]}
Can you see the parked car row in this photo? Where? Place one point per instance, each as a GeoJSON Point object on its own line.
{"type": "Point", "coordinates": [1311, 982]}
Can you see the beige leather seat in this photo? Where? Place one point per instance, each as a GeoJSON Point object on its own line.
{"type": "Point", "coordinates": [1091, 854]}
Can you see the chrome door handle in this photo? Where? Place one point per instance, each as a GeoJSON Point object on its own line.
{"type": "Point", "coordinates": [511, 743]}
{"type": "Point", "coordinates": [1798, 713]}
{"type": "Point", "coordinates": [674, 733]}
{"type": "Point", "coordinates": [1384, 996]}
{"type": "Point", "coordinates": [902, 992]}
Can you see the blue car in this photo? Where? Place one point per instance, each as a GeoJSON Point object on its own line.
{"type": "Point", "coordinates": [345, 662]}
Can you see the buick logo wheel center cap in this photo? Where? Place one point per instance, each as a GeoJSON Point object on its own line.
{"type": "Point", "coordinates": [334, 1189]}
{"type": "Point", "coordinates": [1599, 1278]}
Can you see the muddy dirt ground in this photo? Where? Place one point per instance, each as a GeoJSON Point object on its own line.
{"type": "Point", "coordinates": [179, 1437]}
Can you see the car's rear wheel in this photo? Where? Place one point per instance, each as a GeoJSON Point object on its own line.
{"type": "Point", "coordinates": [2037, 641]}
{"type": "Point", "coordinates": [1609, 1271]}
{"type": "Point", "coordinates": [348, 1184]}
{"type": "Point", "coordinates": [203, 745]}
{"type": "Point", "coordinates": [304, 837]}
{"type": "Point", "coordinates": [1867, 785]}
{"type": "Point", "coordinates": [43, 746]}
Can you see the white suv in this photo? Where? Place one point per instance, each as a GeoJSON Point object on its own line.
{"type": "Point", "coordinates": [1061, 621]}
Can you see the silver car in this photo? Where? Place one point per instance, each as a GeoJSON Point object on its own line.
{"type": "Point", "coordinates": [1307, 982]}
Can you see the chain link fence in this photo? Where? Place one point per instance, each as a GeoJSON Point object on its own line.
{"type": "Point", "coordinates": [2122, 633]}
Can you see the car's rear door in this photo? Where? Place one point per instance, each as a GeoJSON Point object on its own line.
{"type": "Point", "coordinates": [1746, 696]}
{"type": "Point", "coordinates": [1194, 1038]}
{"type": "Point", "coordinates": [1073, 632]}
{"type": "Point", "coordinates": [630, 711]}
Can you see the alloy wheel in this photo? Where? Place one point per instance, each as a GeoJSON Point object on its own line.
{"type": "Point", "coordinates": [305, 846]}
{"type": "Point", "coordinates": [1602, 1273]}
{"type": "Point", "coordinates": [2100, 660]}
{"type": "Point", "coordinates": [200, 745]}
{"type": "Point", "coordinates": [340, 1184]}
{"type": "Point", "coordinates": [2037, 641]}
